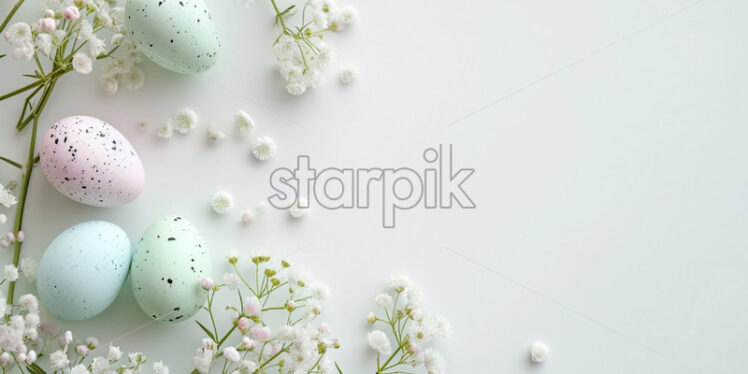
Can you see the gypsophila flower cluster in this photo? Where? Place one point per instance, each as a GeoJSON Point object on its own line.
{"type": "Point", "coordinates": [407, 322]}
{"type": "Point", "coordinates": [272, 291]}
{"type": "Point", "coordinates": [301, 53]}
{"type": "Point", "coordinates": [67, 36]}
{"type": "Point", "coordinates": [24, 338]}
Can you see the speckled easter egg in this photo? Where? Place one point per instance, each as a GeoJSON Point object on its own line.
{"type": "Point", "coordinates": [169, 261]}
{"type": "Point", "coordinates": [83, 269]}
{"type": "Point", "coordinates": [91, 162]}
{"type": "Point", "coordinates": [179, 35]}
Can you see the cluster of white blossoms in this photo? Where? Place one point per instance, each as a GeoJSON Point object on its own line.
{"type": "Point", "coordinates": [300, 208]}
{"type": "Point", "coordinates": [279, 292]}
{"type": "Point", "coordinates": [263, 147]}
{"type": "Point", "coordinates": [66, 36]}
{"type": "Point", "coordinates": [301, 54]}
{"type": "Point", "coordinates": [413, 330]}
{"type": "Point", "coordinates": [222, 202]}
{"type": "Point", "coordinates": [8, 200]}
{"type": "Point", "coordinates": [183, 122]}
{"type": "Point", "coordinates": [24, 338]}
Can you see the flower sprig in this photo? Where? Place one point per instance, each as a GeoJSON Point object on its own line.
{"type": "Point", "coordinates": [411, 327]}
{"type": "Point", "coordinates": [275, 291]}
{"type": "Point", "coordinates": [301, 54]}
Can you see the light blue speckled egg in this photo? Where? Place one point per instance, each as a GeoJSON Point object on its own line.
{"type": "Point", "coordinates": [179, 35]}
{"type": "Point", "coordinates": [169, 261]}
{"type": "Point", "coordinates": [83, 269]}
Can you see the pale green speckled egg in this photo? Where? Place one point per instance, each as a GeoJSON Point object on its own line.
{"type": "Point", "coordinates": [179, 35]}
{"type": "Point", "coordinates": [167, 265]}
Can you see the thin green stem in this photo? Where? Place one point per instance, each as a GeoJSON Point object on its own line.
{"type": "Point", "coordinates": [17, 226]}
{"type": "Point", "coordinates": [23, 89]}
{"type": "Point", "coordinates": [10, 15]}
{"type": "Point", "coordinates": [279, 16]}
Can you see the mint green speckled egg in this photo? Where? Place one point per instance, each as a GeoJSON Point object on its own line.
{"type": "Point", "coordinates": [167, 265]}
{"type": "Point", "coordinates": [179, 35]}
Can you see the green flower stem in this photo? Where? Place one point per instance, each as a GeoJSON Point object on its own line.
{"type": "Point", "coordinates": [279, 16]}
{"type": "Point", "coordinates": [17, 226]}
{"type": "Point", "coordinates": [10, 15]}
{"type": "Point", "coordinates": [23, 89]}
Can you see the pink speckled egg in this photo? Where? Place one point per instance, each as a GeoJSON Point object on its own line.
{"type": "Point", "coordinates": [89, 161]}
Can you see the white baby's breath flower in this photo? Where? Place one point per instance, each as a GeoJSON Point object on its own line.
{"type": "Point", "coordinates": [7, 199]}
{"type": "Point", "coordinates": [384, 300]}
{"type": "Point", "coordinates": [10, 273]}
{"type": "Point", "coordinates": [18, 33]}
{"type": "Point", "coordinates": [222, 202]}
{"type": "Point", "coordinates": [203, 360]}
{"type": "Point", "coordinates": [296, 88]}
{"type": "Point", "coordinates": [249, 216]}
{"type": "Point", "coordinates": [100, 365]}
{"type": "Point", "coordinates": [244, 123]}
{"type": "Point", "coordinates": [58, 360]}
{"type": "Point", "coordinates": [231, 354]}
{"type": "Point", "coordinates": [29, 303]}
{"type": "Point", "coordinates": [348, 15]}
{"type": "Point", "coordinates": [165, 131]}
{"type": "Point", "coordinates": [82, 63]}
{"type": "Point", "coordinates": [231, 280]}
{"type": "Point", "coordinates": [29, 267]}
{"type": "Point", "coordinates": [117, 38]}
{"type": "Point", "coordinates": [114, 354]}
{"type": "Point", "coordinates": [134, 78]}
{"type": "Point", "coordinates": [320, 19]}
{"type": "Point", "coordinates": [96, 46]}
{"type": "Point", "coordinates": [85, 30]}
{"type": "Point", "coordinates": [379, 342]}
{"type": "Point", "coordinates": [110, 84]}
{"type": "Point", "coordinates": [319, 291]}
{"type": "Point", "coordinates": [348, 75]}
{"type": "Point", "coordinates": [79, 369]}
{"type": "Point", "coordinates": [300, 208]}
{"type": "Point", "coordinates": [263, 148]}
{"type": "Point", "coordinates": [3, 219]}
{"type": "Point", "coordinates": [399, 282]}
{"type": "Point", "coordinates": [538, 352]}
{"type": "Point", "coordinates": [214, 133]}
{"type": "Point", "coordinates": [184, 121]}
{"type": "Point", "coordinates": [43, 43]}
{"type": "Point", "coordinates": [160, 368]}
{"type": "Point", "coordinates": [434, 362]}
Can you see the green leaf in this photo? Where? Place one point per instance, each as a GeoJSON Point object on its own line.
{"type": "Point", "coordinates": [338, 367]}
{"type": "Point", "coordinates": [35, 369]}
{"type": "Point", "coordinates": [11, 162]}
{"type": "Point", "coordinates": [195, 372]}
{"type": "Point", "coordinates": [226, 336]}
{"type": "Point", "coordinates": [210, 334]}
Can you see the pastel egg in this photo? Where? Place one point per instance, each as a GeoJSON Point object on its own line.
{"type": "Point", "coordinates": [179, 35]}
{"type": "Point", "coordinates": [91, 162]}
{"type": "Point", "coordinates": [169, 261]}
{"type": "Point", "coordinates": [83, 269]}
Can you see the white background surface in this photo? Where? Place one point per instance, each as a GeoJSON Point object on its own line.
{"type": "Point", "coordinates": [611, 191]}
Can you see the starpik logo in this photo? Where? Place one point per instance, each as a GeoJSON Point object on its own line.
{"type": "Point", "coordinates": [438, 185]}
